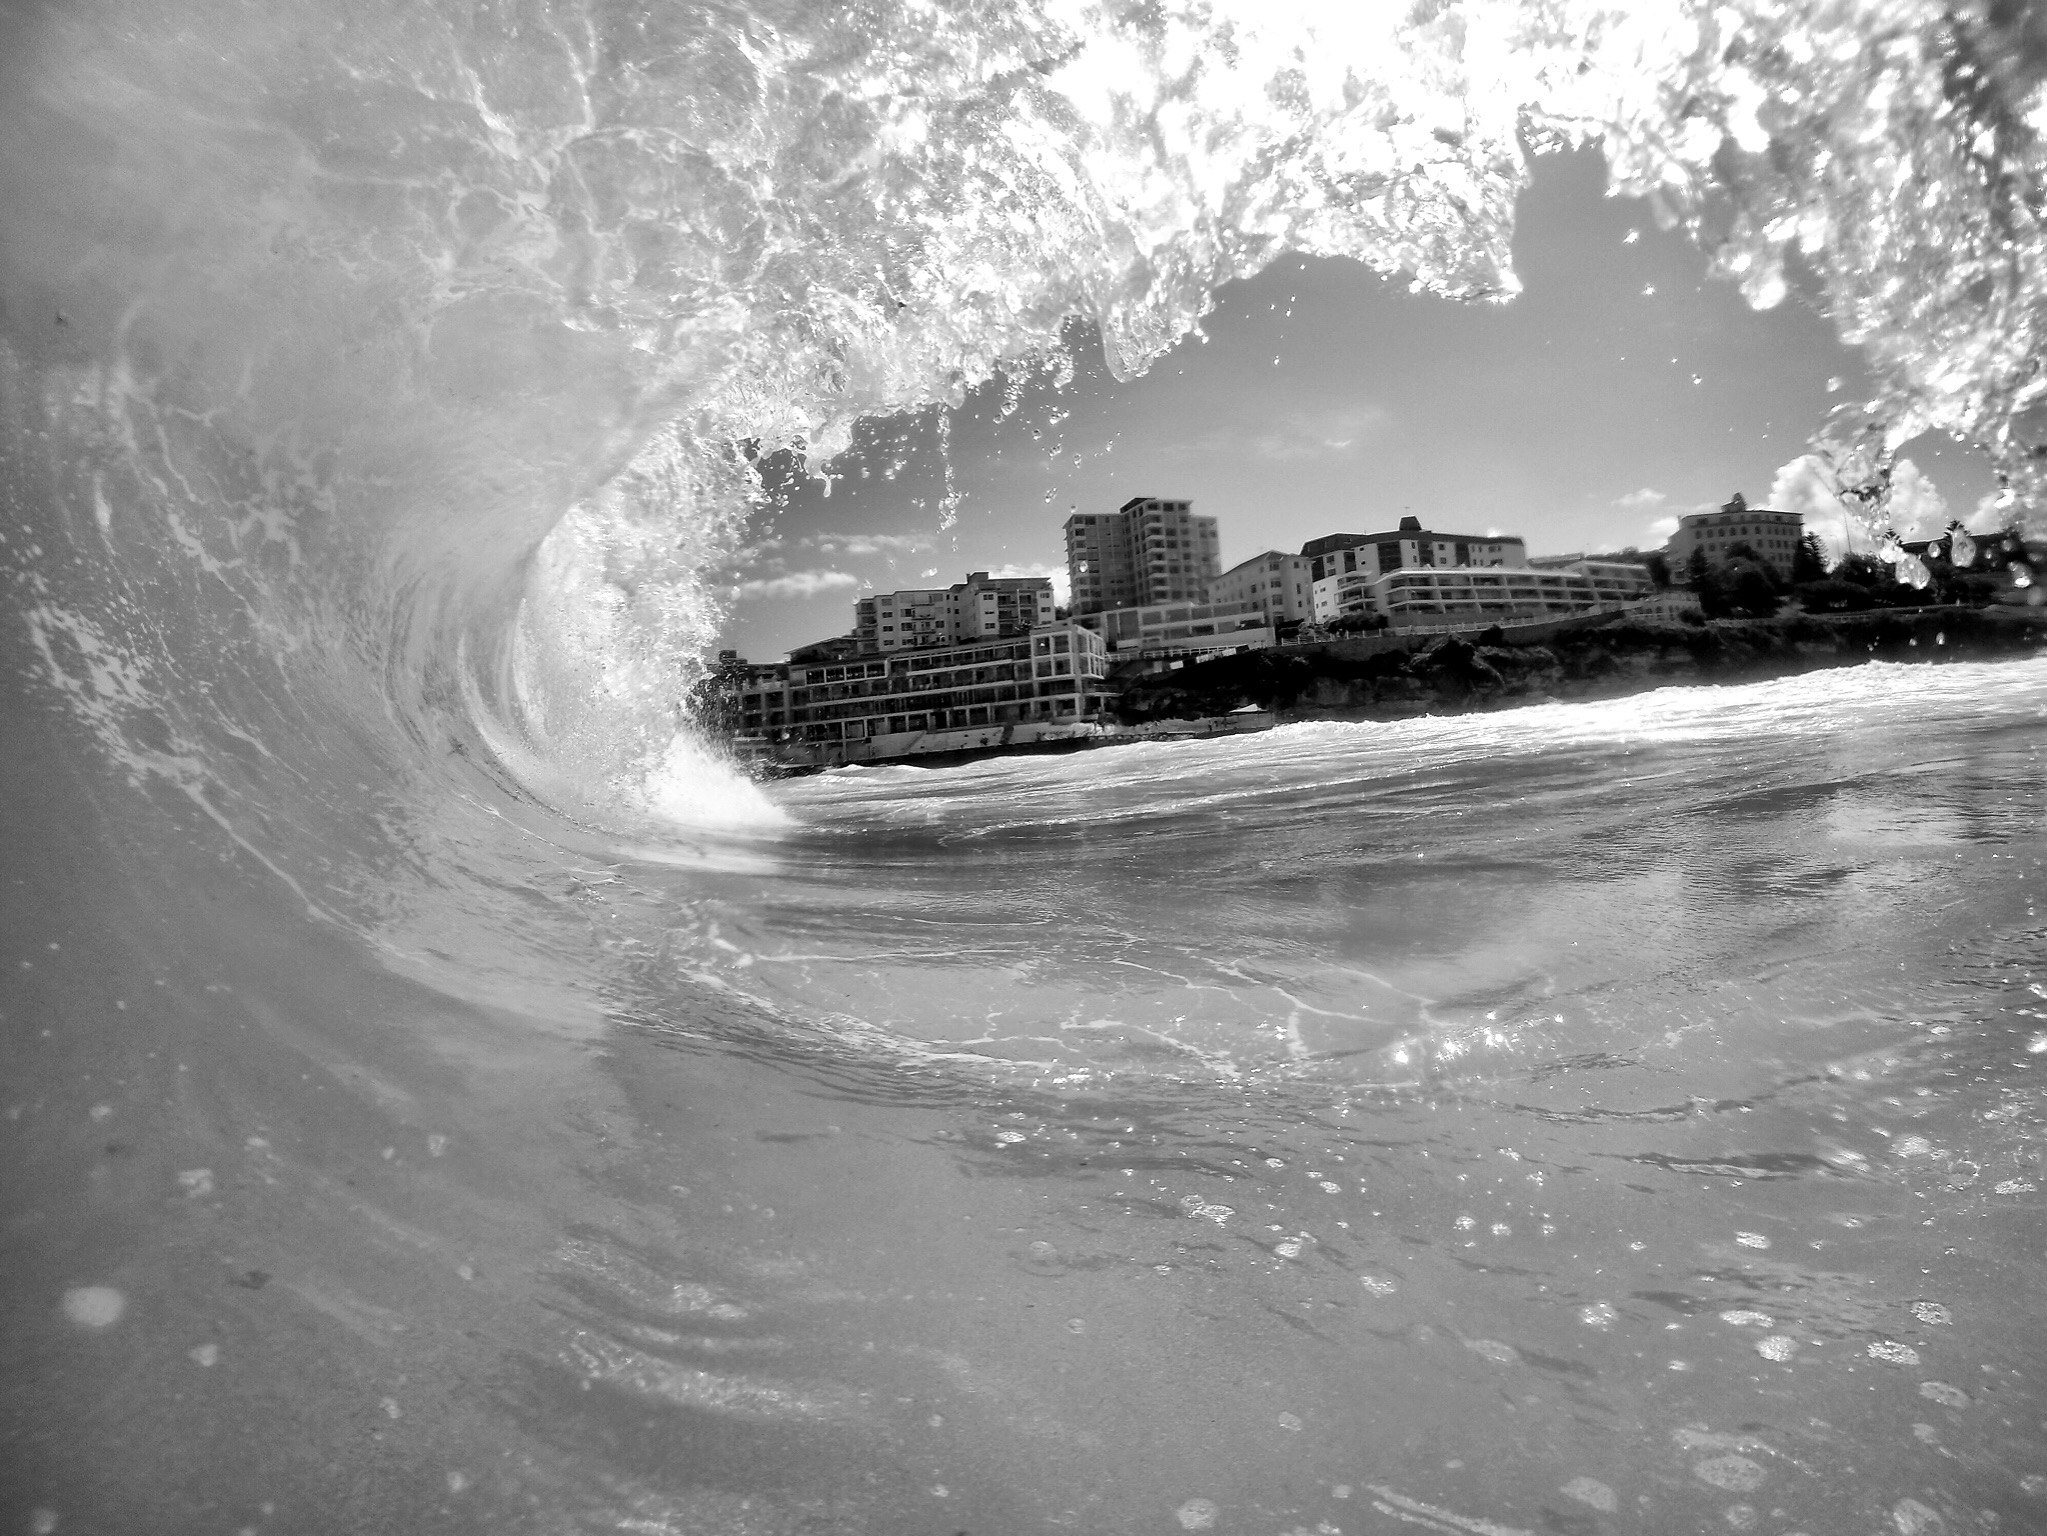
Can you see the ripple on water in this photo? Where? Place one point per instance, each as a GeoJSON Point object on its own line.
{"type": "Point", "coordinates": [1736, 1474]}
{"type": "Point", "coordinates": [1590, 1490]}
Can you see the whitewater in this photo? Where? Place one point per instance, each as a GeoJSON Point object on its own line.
{"type": "Point", "coordinates": [441, 1095]}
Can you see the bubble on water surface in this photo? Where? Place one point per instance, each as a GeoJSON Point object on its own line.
{"type": "Point", "coordinates": [1947, 1396]}
{"type": "Point", "coordinates": [1493, 1350]}
{"type": "Point", "coordinates": [1287, 1250]}
{"type": "Point", "coordinates": [42, 1521]}
{"type": "Point", "coordinates": [1745, 1319]}
{"type": "Point", "coordinates": [94, 1306]}
{"type": "Point", "coordinates": [1290, 1421]}
{"type": "Point", "coordinates": [1752, 1239]}
{"type": "Point", "coordinates": [1741, 1516]}
{"type": "Point", "coordinates": [1777, 1346]}
{"type": "Point", "coordinates": [207, 1355]}
{"type": "Point", "coordinates": [1196, 1514]}
{"type": "Point", "coordinates": [1377, 1286]}
{"type": "Point", "coordinates": [1600, 1314]}
{"type": "Point", "coordinates": [2015, 1187]}
{"type": "Point", "coordinates": [1590, 1490]}
{"type": "Point", "coordinates": [1911, 1518]}
{"type": "Point", "coordinates": [196, 1182]}
{"type": "Point", "coordinates": [1891, 1352]}
{"type": "Point", "coordinates": [1931, 1312]}
{"type": "Point", "coordinates": [1736, 1474]}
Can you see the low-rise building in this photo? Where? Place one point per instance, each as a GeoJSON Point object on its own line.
{"type": "Point", "coordinates": [1182, 627]}
{"type": "Point", "coordinates": [1474, 597]}
{"type": "Point", "coordinates": [1772, 535]}
{"type": "Point", "coordinates": [1011, 691]}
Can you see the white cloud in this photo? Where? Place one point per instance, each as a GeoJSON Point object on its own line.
{"type": "Point", "coordinates": [1659, 531]}
{"type": "Point", "coordinates": [795, 584]}
{"type": "Point", "coordinates": [1804, 486]}
{"type": "Point", "coordinates": [1645, 497]}
{"type": "Point", "coordinates": [861, 544]}
{"type": "Point", "coordinates": [1918, 510]}
{"type": "Point", "coordinates": [1062, 590]}
{"type": "Point", "coordinates": [1308, 435]}
{"type": "Point", "coordinates": [1990, 516]}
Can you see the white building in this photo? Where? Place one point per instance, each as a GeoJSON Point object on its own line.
{"type": "Point", "coordinates": [1054, 673]}
{"type": "Point", "coordinates": [1363, 556]}
{"type": "Point", "coordinates": [980, 607]}
{"type": "Point", "coordinates": [1476, 597]}
{"type": "Point", "coordinates": [1278, 584]}
{"type": "Point", "coordinates": [1182, 627]}
{"type": "Point", "coordinates": [1772, 535]}
{"type": "Point", "coordinates": [1147, 551]}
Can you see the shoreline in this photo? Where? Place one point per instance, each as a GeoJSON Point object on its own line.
{"type": "Point", "coordinates": [1459, 674]}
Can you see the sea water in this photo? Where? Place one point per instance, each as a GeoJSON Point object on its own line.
{"type": "Point", "coordinates": [441, 1095]}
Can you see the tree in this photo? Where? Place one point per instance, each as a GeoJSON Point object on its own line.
{"type": "Point", "coordinates": [1808, 560]}
{"type": "Point", "coordinates": [1696, 569]}
{"type": "Point", "coordinates": [1658, 569]}
{"type": "Point", "coordinates": [1744, 588]}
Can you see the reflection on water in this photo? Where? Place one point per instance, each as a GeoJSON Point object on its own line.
{"type": "Point", "coordinates": [1580, 1118]}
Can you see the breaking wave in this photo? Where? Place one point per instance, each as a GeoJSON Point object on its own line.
{"type": "Point", "coordinates": [378, 396]}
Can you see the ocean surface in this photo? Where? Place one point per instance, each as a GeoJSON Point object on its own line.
{"type": "Point", "coordinates": [440, 1094]}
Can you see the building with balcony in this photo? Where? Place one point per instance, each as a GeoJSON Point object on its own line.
{"type": "Point", "coordinates": [1342, 565]}
{"type": "Point", "coordinates": [1182, 627]}
{"type": "Point", "coordinates": [980, 607]}
{"type": "Point", "coordinates": [1147, 551]}
{"type": "Point", "coordinates": [1772, 535]}
{"type": "Point", "coordinates": [1465, 597]}
{"type": "Point", "coordinates": [1013, 691]}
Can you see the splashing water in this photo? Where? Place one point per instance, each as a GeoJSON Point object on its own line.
{"type": "Point", "coordinates": [595, 1143]}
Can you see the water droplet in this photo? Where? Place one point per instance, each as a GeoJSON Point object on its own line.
{"type": "Point", "coordinates": [94, 1306]}
{"type": "Point", "coordinates": [207, 1355]}
{"type": "Point", "coordinates": [1599, 1315]}
{"type": "Point", "coordinates": [1290, 1421]}
{"type": "Point", "coordinates": [1196, 1514]}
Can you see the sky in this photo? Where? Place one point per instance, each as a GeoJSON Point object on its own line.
{"type": "Point", "coordinates": [1621, 388]}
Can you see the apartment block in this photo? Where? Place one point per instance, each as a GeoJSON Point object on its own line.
{"type": "Point", "coordinates": [1772, 535]}
{"type": "Point", "coordinates": [1278, 584]}
{"type": "Point", "coordinates": [1147, 551]}
{"type": "Point", "coordinates": [980, 607]}
{"type": "Point", "coordinates": [1342, 564]}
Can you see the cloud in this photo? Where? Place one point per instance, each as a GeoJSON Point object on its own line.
{"type": "Point", "coordinates": [1309, 434]}
{"type": "Point", "coordinates": [1918, 510]}
{"type": "Point", "coordinates": [1062, 591]}
{"type": "Point", "coordinates": [1645, 497]}
{"type": "Point", "coordinates": [1660, 530]}
{"type": "Point", "coordinates": [795, 584]}
{"type": "Point", "coordinates": [1804, 486]}
{"type": "Point", "coordinates": [1992, 514]}
{"type": "Point", "coordinates": [863, 544]}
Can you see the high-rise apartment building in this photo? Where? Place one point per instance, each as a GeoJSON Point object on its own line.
{"type": "Point", "coordinates": [1147, 551]}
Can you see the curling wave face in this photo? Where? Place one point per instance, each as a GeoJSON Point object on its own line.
{"type": "Point", "coordinates": [378, 386]}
